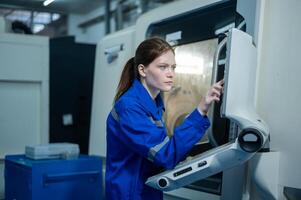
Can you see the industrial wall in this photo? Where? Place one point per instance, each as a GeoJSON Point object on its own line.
{"type": "Point", "coordinates": [91, 34]}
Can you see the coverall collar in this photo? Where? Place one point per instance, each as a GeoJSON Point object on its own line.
{"type": "Point", "coordinates": [146, 99]}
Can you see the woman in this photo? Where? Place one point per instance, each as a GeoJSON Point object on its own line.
{"type": "Point", "coordinates": [137, 142]}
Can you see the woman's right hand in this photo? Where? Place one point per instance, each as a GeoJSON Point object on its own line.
{"type": "Point", "coordinates": [213, 94]}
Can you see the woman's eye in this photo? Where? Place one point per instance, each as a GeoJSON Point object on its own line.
{"type": "Point", "coordinates": [167, 67]}
{"type": "Point", "coordinates": [162, 67]}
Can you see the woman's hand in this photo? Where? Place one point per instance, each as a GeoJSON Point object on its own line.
{"type": "Point", "coordinates": [213, 94]}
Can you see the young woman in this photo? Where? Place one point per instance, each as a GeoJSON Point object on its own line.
{"type": "Point", "coordinates": [137, 142]}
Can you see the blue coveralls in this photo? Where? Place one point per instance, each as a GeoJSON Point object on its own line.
{"type": "Point", "coordinates": [138, 145]}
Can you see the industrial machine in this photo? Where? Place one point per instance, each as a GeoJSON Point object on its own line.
{"type": "Point", "coordinates": [233, 160]}
{"type": "Point", "coordinates": [24, 93]}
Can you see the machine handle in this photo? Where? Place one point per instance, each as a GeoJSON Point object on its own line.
{"type": "Point", "coordinates": [112, 52]}
{"type": "Point", "coordinates": [220, 46]}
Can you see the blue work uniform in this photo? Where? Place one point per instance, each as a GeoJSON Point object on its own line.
{"type": "Point", "coordinates": [138, 146]}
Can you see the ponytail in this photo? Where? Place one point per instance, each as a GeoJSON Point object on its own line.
{"type": "Point", "coordinates": [128, 75]}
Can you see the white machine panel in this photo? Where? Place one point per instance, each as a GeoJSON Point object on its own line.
{"type": "Point", "coordinates": [24, 92]}
{"type": "Point", "coordinates": [240, 82]}
{"type": "Point", "coordinates": [22, 57]}
{"type": "Point", "coordinates": [112, 53]}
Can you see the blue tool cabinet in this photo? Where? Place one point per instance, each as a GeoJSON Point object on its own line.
{"type": "Point", "coordinates": [74, 179]}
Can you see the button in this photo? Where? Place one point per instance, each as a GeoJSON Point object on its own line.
{"type": "Point", "coordinates": [203, 163]}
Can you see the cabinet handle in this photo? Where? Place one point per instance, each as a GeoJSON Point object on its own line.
{"type": "Point", "coordinates": [63, 177]}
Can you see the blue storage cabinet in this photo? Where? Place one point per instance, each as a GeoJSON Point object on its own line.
{"type": "Point", "coordinates": [75, 179]}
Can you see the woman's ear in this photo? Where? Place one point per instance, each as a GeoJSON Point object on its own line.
{"type": "Point", "coordinates": [141, 70]}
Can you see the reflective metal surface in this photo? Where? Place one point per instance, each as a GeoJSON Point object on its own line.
{"type": "Point", "coordinates": [193, 79]}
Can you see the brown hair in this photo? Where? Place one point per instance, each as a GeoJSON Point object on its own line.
{"type": "Point", "coordinates": [146, 53]}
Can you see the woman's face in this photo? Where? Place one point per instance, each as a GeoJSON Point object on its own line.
{"type": "Point", "coordinates": [159, 74]}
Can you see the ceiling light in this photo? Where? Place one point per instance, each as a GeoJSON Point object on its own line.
{"type": "Point", "coordinates": [47, 2]}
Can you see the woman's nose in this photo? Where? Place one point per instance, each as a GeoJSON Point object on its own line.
{"type": "Point", "coordinates": [170, 73]}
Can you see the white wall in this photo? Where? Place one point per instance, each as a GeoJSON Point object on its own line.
{"type": "Point", "coordinates": [279, 90]}
{"type": "Point", "coordinates": [91, 34]}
